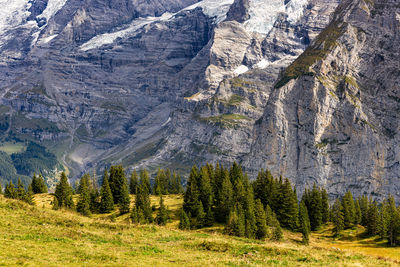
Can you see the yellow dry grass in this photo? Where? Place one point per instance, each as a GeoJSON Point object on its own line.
{"type": "Point", "coordinates": [39, 236]}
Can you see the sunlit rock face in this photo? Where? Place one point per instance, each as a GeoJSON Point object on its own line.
{"type": "Point", "coordinates": [173, 83]}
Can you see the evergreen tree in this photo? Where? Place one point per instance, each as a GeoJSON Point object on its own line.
{"type": "Point", "coordinates": [184, 223]}
{"type": "Point", "coordinates": [125, 200]}
{"type": "Point", "coordinates": [29, 195]}
{"type": "Point", "coordinates": [313, 202]}
{"type": "Point", "coordinates": [305, 226]}
{"type": "Point", "coordinates": [21, 193]}
{"type": "Point", "coordinates": [106, 198]}
{"type": "Point", "coordinates": [348, 209]}
{"type": "Point", "coordinates": [338, 217]}
{"type": "Point", "coordinates": [38, 184]}
{"type": "Point", "coordinates": [162, 214]}
{"type": "Point", "coordinates": [224, 200]}
{"type": "Point", "coordinates": [393, 222]}
{"type": "Point", "coordinates": [325, 206]}
{"type": "Point", "coordinates": [117, 181]}
{"type": "Point", "coordinates": [83, 205]}
{"type": "Point", "coordinates": [63, 194]}
{"type": "Point", "coordinates": [236, 221]}
{"type": "Point", "coordinates": [364, 209]}
{"type": "Point", "coordinates": [261, 220]}
{"type": "Point", "coordinates": [142, 200]}
{"type": "Point", "coordinates": [192, 194]}
{"type": "Point", "coordinates": [145, 181]}
{"type": "Point", "coordinates": [134, 182]}
{"type": "Point", "coordinates": [383, 220]}
{"type": "Point", "coordinates": [249, 208]}
{"type": "Point", "coordinates": [372, 218]}
{"type": "Point", "coordinates": [288, 211]}
{"type": "Point", "coordinates": [358, 214]}
{"type": "Point", "coordinates": [200, 217]}
{"type": "Point", "coordinates": [277, 233]}
{"type": "Point", "coordinates": [268, 215]}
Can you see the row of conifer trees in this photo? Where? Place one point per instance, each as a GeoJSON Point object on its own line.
{"type": "Point", "coordinates": [215, 194]}
{"type": "Point", "coordinates": [260, 208]}
{"type": "Point", "coordinates": [37, 186]}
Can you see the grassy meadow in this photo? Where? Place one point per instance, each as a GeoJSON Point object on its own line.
{"type": "Point", "coordinates": [39, 236]}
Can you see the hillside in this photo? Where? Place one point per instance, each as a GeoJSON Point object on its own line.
{"type": "Point", "coordinates": [39, 236]}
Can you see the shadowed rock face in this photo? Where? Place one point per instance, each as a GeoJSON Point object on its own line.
{"type": "Point", "coordinates": [172, 83]}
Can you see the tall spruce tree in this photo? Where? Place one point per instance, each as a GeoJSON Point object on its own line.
{"type": "Point", "coordinates": [224, 199]}
{"type": "Point", "coordinates": [236, 221]}
{"type": "Point", "coordinates": [277, 233]}
{"type": "Point", "coordinates": [192, 194]}
{"type": "Point", "coordinates": [162, 214]}
{"type": "Point", "coordinates": [261, 221]}
{"type": "Point", "coordinates": [125, 200]}
{"type": "Point", "coordinates": [348, 209]}
{"type": "Point", "coordinates": [21, 193]}
{"type": "Point", "coordinates": [9, 191]}
{"type": "Point", "coordinates": [38, 184]}
{"type": "Point", "coordinates": [184, 222]}
{"type": "Point", "coordinates": [117, 181]}
{"type": "Point", "coordinates": [63, 194]}
{"type": "Point", "coordinates": [393, 222]}
{"type": "Point", "coordinates": [305, 227]}
{"type": "Point", "coordinates": [358, 214]}
{"type": "Point", "coordinates": [338, 217]}
{"type": "Point", "coordinates": [325, 206]}
{"type": "Point", "coordinates": [288, 212]}
{"type": "Point", "coordinates": [134, 182]}
{"type": "Point", "coordinates": [142, 212]}
{"type": "Point", "coordinates": [83, 205]}
{"type": "Point", "coordinates": [106, 198]}
{"type": "Point", "coordinates": [372, 218]}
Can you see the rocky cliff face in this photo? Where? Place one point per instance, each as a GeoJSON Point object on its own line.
{"type": "Point", "coordinates": [294, 86]}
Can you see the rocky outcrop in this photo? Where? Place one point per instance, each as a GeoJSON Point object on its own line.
{"type": "Point", "coordinates": [332, 118]}
{"type": "Point", "coordinates": [294, 86]}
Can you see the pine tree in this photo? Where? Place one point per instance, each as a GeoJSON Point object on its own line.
{"type": "Point", "coordinates": [364, 209]}
{"type": "Point", "coordinates": [393, 222]}
{"type": "Point", "coordinates": [313, 202]}
{"type": "Point", "coordinates": [125, 200]}
{"type": "Point", "coordinates": [236, 221]}
{"type": "Point", "coordinates": [117, 181]}
{"type": "Point", "coordinates": [106, 198]}
{"type": "Point", "coordinates": [261, 220]}
{"type": "Point", "coordinates": [288, 211]}
{"type": "Point", "coordinates": [142, 200]}
{"type": "Point", "coordinates": [305, 226]}
{"type": "Point", "coordinates": [325, 206]}
{"type": "Point", "coordinates": [29, 195]}
{"type": "Point", "coordinates": [192, 194]}
{"type": "Point", "coordinates": [372, 218]}
{"type": "Point", "coordinates": [268, 215]}
{"type": "Point", "coordinates": [162, 214]}
{"type": "Point", "coordinates": [10, 191]}
{"type": "Point", "coordinates": [38, 184]}
{"type": "Point", "coordinates": [134, 182]}
{"type": "Point", "coordinates": [358, 214]}
{"type": "Point", "coordinates": [20, 190]}
{"type": "Point", "coordinates": [348, 209]}
{"type": "Point", "coordinates": [184, 223]}
{"type": "Point", "coordinates": [63, 194]}
{"type": "Point", "coordinates": [200, 217]}
{"type": "Point", "coordinates": [83, 205]}
{"type": "Point", "coordinates": [277, 233]}
{"type": "Point", "coordinates": [338, 217]}
{"type": "Point", "coordinates": [249, 208]}
{"type": "Point", "coordinates": [224, 201]}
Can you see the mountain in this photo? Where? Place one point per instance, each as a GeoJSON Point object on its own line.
{"type": "Point", "coordinates": [306, 88]}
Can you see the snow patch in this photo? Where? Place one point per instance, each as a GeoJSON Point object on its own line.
{"type": "Point", "coordinates": [53, 6]}
{"type": "Point", "coordinates": [264, 13]}
{"type": "Point", "coordinates": [241, 69]}
{"type": "Point", "coordinates": [213, 8]}
{"type": "Point", "coordinates": [263, 64]}
{"type": "Point", "coordinates": [13, 13]}
{"type": "Point", "coordinates": [109, 38]}
{"type": "Point", "coordinates": [398, 17]}
{"type": "Point", "coordinates": [165, 123]}
{"type": "Point", "coordinates": [48, 39]}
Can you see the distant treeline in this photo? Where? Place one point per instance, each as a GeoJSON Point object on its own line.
{"type": "Point", "coordinates": [217, 195]}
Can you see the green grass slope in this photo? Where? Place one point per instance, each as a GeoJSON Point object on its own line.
{"type": "Point", "coordinates": [39, 236]}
